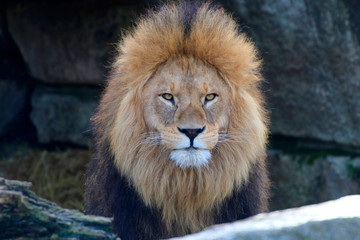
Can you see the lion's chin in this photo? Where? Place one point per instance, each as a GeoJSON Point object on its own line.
{"type": "Point", "coordinates": [186, 158]}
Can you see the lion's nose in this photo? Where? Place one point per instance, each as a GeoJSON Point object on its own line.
{"type": "Point", "coordinates": [191, 133]}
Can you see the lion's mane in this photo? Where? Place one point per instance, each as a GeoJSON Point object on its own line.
{"type": "Point", "coordinates": [183, 200]}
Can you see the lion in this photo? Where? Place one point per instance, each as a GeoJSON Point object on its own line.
{"type": "Point", "coordinates": [181, 129]}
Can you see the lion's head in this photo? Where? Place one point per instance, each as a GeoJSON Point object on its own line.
{"type": "Point", "coordinates": [186, 107]}
{"type": "Point", "coordinates": [182, 113]}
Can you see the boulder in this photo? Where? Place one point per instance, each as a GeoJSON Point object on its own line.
{"type": "Point", "coordinates": [339, 219]}
{"type": "Point", "coordinates": [311, 52]}
{"type": "Point", "coordinates": [26, 216]}
{"type": "Point", "coordinates": [62, 114]}
{"type": "Point", "coordinates": [13, 97]}
{"type": "Point", "coordinates": [302, 179]}
{"type": "Point", "coordinates": [68, 42]}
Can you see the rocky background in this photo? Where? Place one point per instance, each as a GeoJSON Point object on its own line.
{"type": "Point", "coordinates": [55, 55]}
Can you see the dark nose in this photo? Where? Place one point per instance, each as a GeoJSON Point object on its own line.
{"type": "Point", "coordinates": [191, 133]}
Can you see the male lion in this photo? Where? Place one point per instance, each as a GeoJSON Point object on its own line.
{"type": "Point", "coordinates": [180, 131]}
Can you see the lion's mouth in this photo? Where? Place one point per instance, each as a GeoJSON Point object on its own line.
{"type": "Point", "coordinates": [192, 148]}
{"type": "Point", "coordinates": [190, 157]}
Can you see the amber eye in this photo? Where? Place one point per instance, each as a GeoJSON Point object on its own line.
{"type": "Point", "coordinates": [168, 97]}
{"type": "Point", "coordinates": [210, 97]}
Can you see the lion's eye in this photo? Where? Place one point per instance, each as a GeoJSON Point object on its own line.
{"type": "Point", "coordinates": [210, 97]}
{"type": "Point", "coordinates": [168, 97]}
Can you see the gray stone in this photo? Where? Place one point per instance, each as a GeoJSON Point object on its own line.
{"type": "Point", "coordinates": [299, 180]}
{"type": "Point", "coordinates": [63, 114]}
{"type": "Point", "coordinates": [337, 179]}
{"type": "Point", "coordinates": [312, 64]}
{"type": "Point", "coordinates": [68, 42]}
{"type": "Point", "coordinates": [295, 181]}
{"type": "Point", "coordinates": [332, 220]}
{"type": "Point", "coordinates": [12, 102]}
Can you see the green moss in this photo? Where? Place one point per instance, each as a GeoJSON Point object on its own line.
{"type": "Point", "coordinates": [353, 171]}
{"type": "Point", "coordinates": [315, 156]}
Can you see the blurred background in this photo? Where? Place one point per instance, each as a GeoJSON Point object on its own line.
{"type": "Point", "coordinates": [55, 56]}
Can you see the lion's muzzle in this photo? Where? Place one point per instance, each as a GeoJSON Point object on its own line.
{"type": "Point", "coordinates": [191, 133]}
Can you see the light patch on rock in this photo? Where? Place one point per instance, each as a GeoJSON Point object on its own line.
{"type": "Point", "coordinates": [338, 219]}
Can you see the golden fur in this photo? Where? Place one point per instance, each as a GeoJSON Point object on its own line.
{"type": "Point", "coordinates": [188, 198]}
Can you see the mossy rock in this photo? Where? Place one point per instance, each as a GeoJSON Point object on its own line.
{"type": "Point", "coordinates": [24, 215]}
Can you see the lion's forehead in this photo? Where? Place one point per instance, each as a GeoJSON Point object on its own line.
{"type": "Point", "coordinates": [186, 78]}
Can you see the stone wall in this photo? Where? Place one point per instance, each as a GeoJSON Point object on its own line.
{"type": "Point", "coordinates": [55, 58]}
{"type": "Point", "coordinates": [311, 51]}
{"type": "Point", "coordinates": [54, 61]}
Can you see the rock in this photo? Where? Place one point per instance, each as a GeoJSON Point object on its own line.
{"type": "Point", "coordinates": [26, 216]}
{"type": "Point", "coordinates": [339, 219]}
{"type": "Point", "coordinates": [337, 179]}
{"type": "Point", "coordinates": [63, 114]}
{"type": "Point", "coordinates": [311, 52]}
{"type": "Point", "coordinates": [11, 64]}
{"type": "Point", "coordinates": [68, 42]}
{"type": "Point", "coordinates": [13, 97]}
{"type": "Point", "coordinates": [299, 180]}
{"type": "Point", "coordinates": [295, 181]}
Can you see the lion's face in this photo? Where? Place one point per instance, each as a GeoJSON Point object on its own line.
{"type": "Point", "coordinates": [186, 104]}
